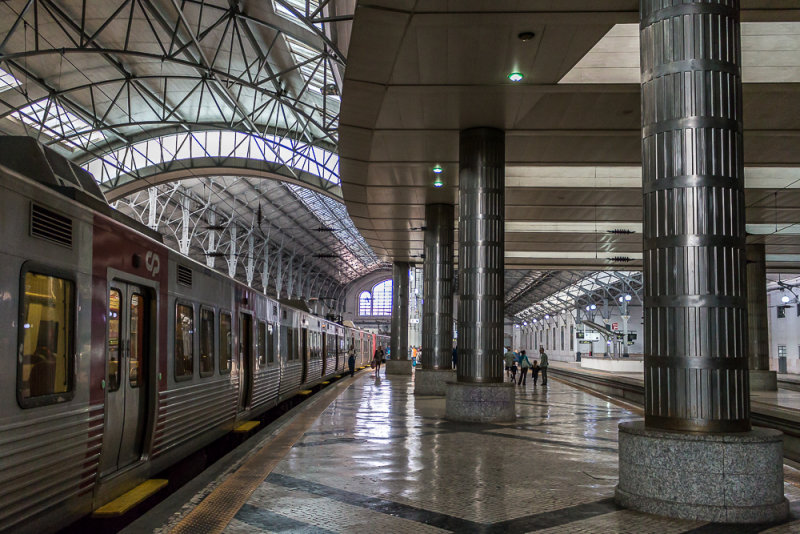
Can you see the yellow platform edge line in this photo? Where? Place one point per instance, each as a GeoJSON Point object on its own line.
{"type": "Point", "coordinates": [305, 392]}
{"type": "Point", "coordinates": [126, 501]}
{"type": "Point", "coordinates": [246, 426]}
{"type": "Point", "coordinates": [325, 383]}
{"type": "Point", "coordinates": [338, 376]}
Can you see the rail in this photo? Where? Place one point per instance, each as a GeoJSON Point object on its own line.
{"type": "Point", "coordinates": [631, 390]}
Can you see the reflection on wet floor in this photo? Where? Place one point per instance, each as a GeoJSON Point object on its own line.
{"type": "Point", "coordinates": [380, 460]}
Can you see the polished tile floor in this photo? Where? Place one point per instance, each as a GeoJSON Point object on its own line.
{"type": "Point", "coordinates": [380, 460]}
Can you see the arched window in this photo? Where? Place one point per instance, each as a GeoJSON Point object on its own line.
{"type": "Point", "coordinates": [382, 298]}
{"type": "Point", "coordinates": [378, 301]}
{"type": "Point", "coordinates": [365, 303]}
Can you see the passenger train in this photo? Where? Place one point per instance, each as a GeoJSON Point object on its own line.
{"type": "Point", "coordinates": [129, 355]}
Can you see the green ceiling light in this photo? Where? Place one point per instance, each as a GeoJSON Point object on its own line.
{"type": "Point", "coordinates": [438, 182]}
{"type": "Point", "coordinates": [437, 169]}
{"type": "Point", "coordinates": [515, 76]}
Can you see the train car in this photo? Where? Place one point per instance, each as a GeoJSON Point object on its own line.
{"type": "Point", "coordinates": [129, 355]}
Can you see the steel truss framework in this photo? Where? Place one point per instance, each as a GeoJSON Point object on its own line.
{"type": "Point", "coordinates": [254, 238]}
{"type": "Point", "coordinates": [109, 81]}
{"type": "Point", "coordinates": [146, 92]}
{"type": "Point", "coordinates": [550, 293]}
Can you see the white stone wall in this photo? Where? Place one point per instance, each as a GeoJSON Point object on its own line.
{"type": "Point", "coordinates": [541, 333]}
{"type": "Point", "coordinates": [785, 331]}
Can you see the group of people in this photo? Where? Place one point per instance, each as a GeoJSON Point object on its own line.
{"type": "Point", "coordinates": [519, 359]}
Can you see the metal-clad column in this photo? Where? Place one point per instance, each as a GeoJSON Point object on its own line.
{"type": "Point", "coordinates": [479, 393]}
{"type": "Point", "coordinates": [481, 188]}
{"type": "Point", "coordinates": [761, 378]}
{"type": "Point", "coordinates": [695, 318]}
{"type": "Point", "coordinates": [399, 362]}
{"type": "Point", "coordinates": [697, 402]}
{"type": "Point", "coordinates": [437, 287]}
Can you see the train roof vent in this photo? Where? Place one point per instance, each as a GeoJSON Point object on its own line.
{"type": "Point", "coordinates": [51, 226]}
{"type": "Point", "coordinates": [184, 276]}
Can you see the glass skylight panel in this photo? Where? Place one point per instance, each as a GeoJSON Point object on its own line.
{"type": "Point", "coordinates": [312, 71]}
{"type": "Point", "coordinates": [332, 214]}
{"type": "Point", "coordinates": [304, 7]}
{"type": "Point", "coordinates": [593, 281]}
{"type": "Point", "coordinates": [214, 143]}
{"type": "Point", "coordinates": [7, 81]}
{"type": "Point", "coordinates": [56, 122]}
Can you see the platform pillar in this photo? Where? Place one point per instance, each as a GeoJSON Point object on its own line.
{"type": "Point", "coordinates": [399, 363]}
{"type": "Point", "coordinates": [761, 378]}
{"type": "Point", "coordinates": [479, 394]}
{"type": "Point", "coordinates": [437, 294]}
{"type": "Point", "coordinates": [697, 398]}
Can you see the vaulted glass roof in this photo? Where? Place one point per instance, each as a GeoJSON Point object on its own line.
{"type": "Point", "coordinates": [146, 93]}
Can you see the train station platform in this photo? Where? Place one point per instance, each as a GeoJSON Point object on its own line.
{"type": "Point", "coordinates": [366, 455]}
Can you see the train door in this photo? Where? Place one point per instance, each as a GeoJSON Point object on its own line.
{"type": "Point", "coordinates": [246, 358]}
{"type": "Point", "coordinates": [128, 355]}
{"type": "Point", "coordinates": [304, 353]}
{"type": "Point", "coordinates": [324, 335]}
{"type": "Point", "coordinates": [336, 350]}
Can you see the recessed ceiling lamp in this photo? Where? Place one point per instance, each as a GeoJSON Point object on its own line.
{"type": "Point", "coordinates": [438, 182]}
{"type": "Point", "coordinates": [437, 169]}
{"type": "Point", "coordinates": [526, 36]}
{"type": "Point", "coordinates": [515, 76]}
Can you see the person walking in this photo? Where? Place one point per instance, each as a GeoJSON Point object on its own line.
{"type": "Point", "coordinates": [455, 357]}
{"type": "Point", "coordinates": [376, 359]}
{"type": "Point", "coordinates": [510, 365]}
{"type": "Point", "coordinates": [544, 363]}
{"type": "Point", "coordinates": [351, 360]}
{"type": "Point", "coordinates": [524, 365]}
{"type": "Point", "coordinates": [535, 372]}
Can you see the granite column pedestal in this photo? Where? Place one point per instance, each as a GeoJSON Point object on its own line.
{"type": "Point", "coordinates": [695, 456]}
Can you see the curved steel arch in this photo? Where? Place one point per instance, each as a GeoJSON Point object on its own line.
{"type": "Point", "coordinates": [203, 167]}
{"type": "Point", "coordinates": [179, 154]}
{"type": "Point", "coordinates": [184, 44]}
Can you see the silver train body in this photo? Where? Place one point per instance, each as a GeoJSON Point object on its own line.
{"type": "Point", "coordinates": [121, 356]}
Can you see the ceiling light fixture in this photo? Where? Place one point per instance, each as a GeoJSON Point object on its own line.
{"type": "Point", "coordinates": [437, 169]}
{"type": "Point", "coordinates": [438, 182]}
{"type": "Point", "coordinates": [526, 36]}
{"type": "Point", "coordinates": [515, 76]}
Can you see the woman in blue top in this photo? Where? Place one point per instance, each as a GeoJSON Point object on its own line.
{"type": "Point", "coordinates": [524, 364]}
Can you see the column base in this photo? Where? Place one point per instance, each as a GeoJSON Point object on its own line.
{"type": "Point", "coordinates": [763, 381]}
{"type": "Point", "coordinates": [433, 381]}
{"type": "Point", "coordinates": [725, 478]}
{"type": "Point", "coordinates": [480, 403]}
{"type": "Point", "coordinates": [398, 367]}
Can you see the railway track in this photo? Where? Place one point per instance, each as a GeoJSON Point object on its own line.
{"type": "Point", "coordinates": [630, 391]}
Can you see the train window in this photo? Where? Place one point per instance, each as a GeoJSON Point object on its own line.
{"type": "Point", "coordinates": [206, 342]}
{"type": "Point", "coordinates": [137, 340]}
{"type": "Point", "coordinates": [290, 344]}
{"type": "Point", "coordinates": [112, 351]}
{"type": "Point", "coordinates": [184, 341]}
{"type": "Point", "coordinates": [44, 375]}
{"type": "Point", "coordinates": [262, 343]}
{"type": "Point", "coordinates": [270, 344]}
{"type": "Point", "coordinates": [225, 343]}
